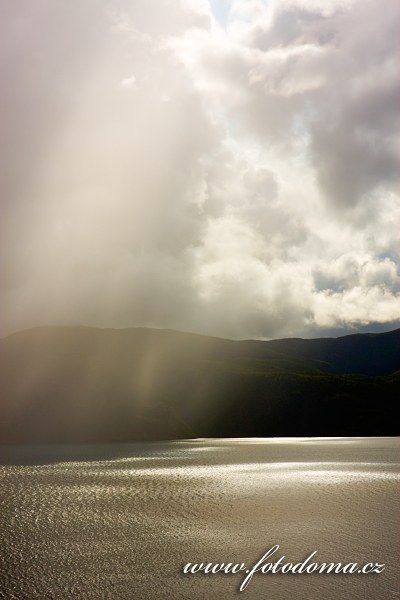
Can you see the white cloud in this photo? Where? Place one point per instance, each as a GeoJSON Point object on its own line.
{"type": "Point", "coordinates": [164, 170]}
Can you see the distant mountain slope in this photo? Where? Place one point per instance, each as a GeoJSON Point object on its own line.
{"type": "Point", "coordinates": [82, 383]}
{"type": "Point", "coordinates": [367, 354]}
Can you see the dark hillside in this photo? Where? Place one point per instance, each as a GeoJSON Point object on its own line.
{"type": "Point", "coordinates": [88, 384]}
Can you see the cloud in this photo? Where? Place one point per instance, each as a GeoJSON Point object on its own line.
{"type": "Point", "coordinates": [233, 177]}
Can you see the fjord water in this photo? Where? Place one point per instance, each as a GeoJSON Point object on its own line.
{"type": "Point", "coordinates": [120, 521]}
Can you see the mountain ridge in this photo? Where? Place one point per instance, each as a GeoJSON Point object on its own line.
{"type": "Point", "coordinates": [61, 383]}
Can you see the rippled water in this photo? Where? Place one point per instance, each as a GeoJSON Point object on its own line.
{"type": "Point", "coordinates": [120, 521]}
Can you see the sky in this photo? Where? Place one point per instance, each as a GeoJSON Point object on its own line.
{"type": "Point", "coordinates": [226, 167]}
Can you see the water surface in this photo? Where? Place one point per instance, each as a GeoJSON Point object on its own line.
{"type": "Point", "coordinates": [120, 521]}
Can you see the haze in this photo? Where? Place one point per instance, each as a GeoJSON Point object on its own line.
{"type": "Point", "coordinates": [227, 168]}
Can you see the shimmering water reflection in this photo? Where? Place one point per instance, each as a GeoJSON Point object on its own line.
{"type": "Point", "coordinates": [120, 521]}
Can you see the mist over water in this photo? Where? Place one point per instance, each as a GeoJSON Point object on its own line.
{"type": "Point", "coordinates": [120, 521]}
